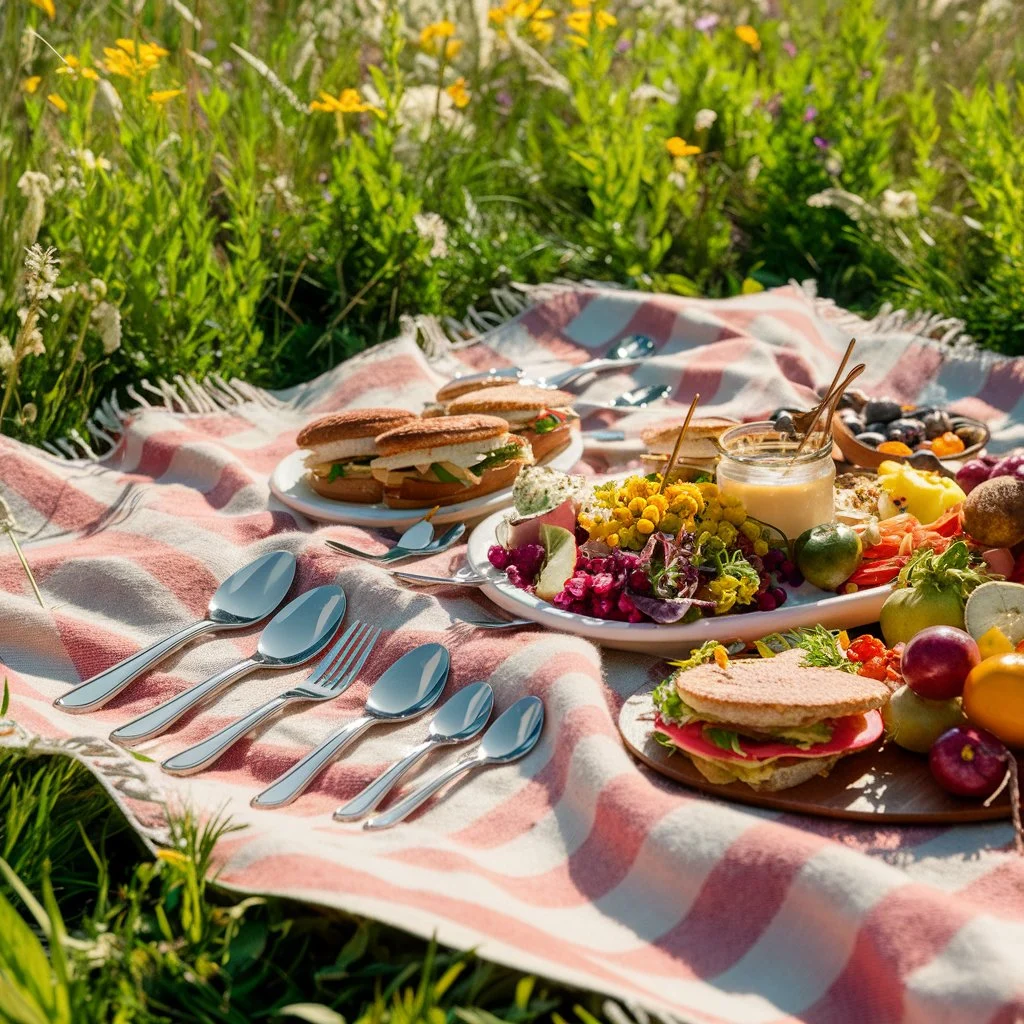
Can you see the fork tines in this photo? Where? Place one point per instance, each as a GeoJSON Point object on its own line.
{"type": "Point", "coordinates": [342, 663]}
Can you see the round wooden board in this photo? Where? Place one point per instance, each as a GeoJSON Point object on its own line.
{"type": "Point", "coordinates": [883, 784]}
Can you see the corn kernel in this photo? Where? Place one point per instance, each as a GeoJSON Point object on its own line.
{"type": "Point", "coordinates": [734, 514]}
{"type": "Point", "coordinates": [636, 506]}
{"type": "Point", "coordinates": [750, 530]}
{"type": "Point", "coordinates": [671, 523]}
{"type": "Point", "coordinates": [622, 515]}
{"type": "Point", "coordinates": [612, 540]}
{"type": "Point", "coordinates": [645, 526]}
{"type": "Point", "coordinates": [726, 532]}
{"type": "Point", "coordinates": [652, 514]}
{"type": "Point", "coordinates": [659, 501]}
{"type": "Point", "coordinates": [760, 548]}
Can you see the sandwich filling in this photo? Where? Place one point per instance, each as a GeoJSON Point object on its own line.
{"type": "Point", "coordinates": [342, 459]}
{"type": "Point", "coordinates": [450, 464]}
{"type": "Point", "coordinates": [538, 421]}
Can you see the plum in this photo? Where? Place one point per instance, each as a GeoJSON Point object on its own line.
{"type": "Point", "coordinates": [972, 473]}
{"type": "Point", "coordinates": [968, 761]}
{"type": "Point", "coordinates": [871, 438]}
{"type": "Point", "coordinates": [882, 410]}
{"type": "Point", "coordinates": [936, 423]}
{"type": "Point", "coordinates": [937, 661]}
{"type": "Point", "coordinates": [1009, 465]}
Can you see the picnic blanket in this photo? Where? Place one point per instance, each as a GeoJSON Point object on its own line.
{"type": "Point", "coordinates": [576, 863]}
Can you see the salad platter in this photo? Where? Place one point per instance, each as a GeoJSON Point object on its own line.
{"type": "Point", "coordinates": [806, 606]}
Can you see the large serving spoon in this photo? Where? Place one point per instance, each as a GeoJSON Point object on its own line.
{"type": "Point", "coordinates": [243, 599]}
{"type": "Point", "coordinates": [298, 632]}
{"type": "Point", "coordinates": [408, 688]}
{"type": "Point", "coordinates": [401, 550]}
{"type": "Point", "coordinates": [460, 719]}
{"type": "Point", "coordinates": [511, 737]}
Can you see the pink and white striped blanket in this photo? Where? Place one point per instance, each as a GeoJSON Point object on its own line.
{"type": "Point", "coordinates": [576, 863]}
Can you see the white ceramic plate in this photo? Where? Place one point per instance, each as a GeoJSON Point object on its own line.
{"type": "Point", "coordinates": [288, 482]}
{"type": "Point", "coordinates": [807, 606]}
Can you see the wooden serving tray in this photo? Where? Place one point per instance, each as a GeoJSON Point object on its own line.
{"type": "Point", "coordinates": [885, 783]}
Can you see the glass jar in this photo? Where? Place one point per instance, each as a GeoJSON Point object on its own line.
{"type": "Point", "coordinates": [791, 492]}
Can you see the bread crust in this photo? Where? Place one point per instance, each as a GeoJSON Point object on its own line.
{"type": "Point", "coordinates": [427, 494]}
{"type": "Point", "coordinates": [512, 397]}
{"type": "Point", "coordinates": [454, 388]}
{"type": "Point", "coordinates": [661, 437]}
{"type": "Point", "coordinates": [547, 446]}
{"type": "Point", "coordinates": [783, 777]}
{"type": "Point", "coordinates": [772, 693]}
{"type": "Point", "coordinates": [439, 432]}
{"type": "Point", "coordinates": [361, 490]}
{"type": "Point", "coordinates": [351, 424]}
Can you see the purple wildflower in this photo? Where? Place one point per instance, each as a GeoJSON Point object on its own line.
{"type": "Point", "coordinates": [810, 114]}
{"type": "Point", "coordinates": [821, 143]}
{"type": "Point", "coordinates": [790, 47]}
{"type": "Point", "coordinates": [623, 45]}
{"type": "Point", "coordinates": [706, 22]}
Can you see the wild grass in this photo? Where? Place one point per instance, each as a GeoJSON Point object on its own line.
{"type": "Point", "coordinates": [95, 930]}
{"type": "Point", "coordinates": [209, 210]}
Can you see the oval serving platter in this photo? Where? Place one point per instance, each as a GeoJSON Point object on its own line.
{"type": "Point", "coordinates": [806, 606]}
{"type": "Point", "coordinates": [885, 783]}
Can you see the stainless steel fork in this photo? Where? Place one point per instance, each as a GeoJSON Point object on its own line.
{"type": "Point", "coordinates": [333, 675]}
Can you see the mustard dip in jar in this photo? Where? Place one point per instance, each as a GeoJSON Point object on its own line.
{"type": "Point", "coordinates": [791, 492]}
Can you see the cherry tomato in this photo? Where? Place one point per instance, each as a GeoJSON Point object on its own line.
{"type": "Point", "coordinates": [866, 647]}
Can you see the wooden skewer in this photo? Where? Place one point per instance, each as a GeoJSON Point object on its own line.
{"type": "Point", "coordinates": [833, 395]}
{"type": "Point", "coordinates": [828, 394]}
{"type": "Point", "coordinates": [679, 440]}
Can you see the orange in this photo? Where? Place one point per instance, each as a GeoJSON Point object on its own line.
{"type": "Point", "coordinates": [994, 697]}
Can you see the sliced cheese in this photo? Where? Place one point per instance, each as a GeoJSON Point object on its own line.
{"type": "Point", "coordinates": [338, 451]}
{"type": "Point", "coordinates": [463, 455]}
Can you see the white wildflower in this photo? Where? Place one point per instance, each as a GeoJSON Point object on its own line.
{"type": "Point", "coordinates": [753, 169]}
{"type": "Point", "coordinates": [704, 119]}
{"type": "Point", "coordinates": [280, 189]}
{"type": "Point", "coordinates": [107, 318]}
{"type": "Point", "coordinates": [199, 60]}
{"type": "Point", "coordinates": [678, 179]}
{"type": "Point", "coordinates": [6, 354]}
{"type": "Point", "coordinates": [90, 161]}
{"type": "Point", "coordinates": [430, 226]}
{"type": "Point", "coordinates": [35, 187]}
{"type": "Point", "coordinates": [186, 15]}
{"type": "Point", "coordinates": [898, 205]}
{"type": "Point", "coordinates": [852, 205]}
{"type": "Point", "coordinates": [270, 77]}
{"type": "Point", "coordinates": [41, 270]}
{"type": "Point", "coordinates": [647, 92]}
{"type": "Point", "coordinates": [833, 165]}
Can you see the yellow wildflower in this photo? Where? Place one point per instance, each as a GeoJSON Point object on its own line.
{"type": "Point", "coordinates": [129, 60]}
{"type": "Point", "coordinates": [30, 85]}
{"type": "Point", "coordinates": [581, 3]}
{"type": "Point", "coordinates": [526, 8]}
{"type": "Point", "coordinates": [72, 66]}
{"type": "Point", "coordinates": [163, 96]}
{"type": "Point", "coordinates": [543, 31]}
{"type": "Point", "coordinates": [497, 16]}
{"type": "Point", "coordinates": [579, 21]}
{"type": "Point", "coordinates": [678, 147]}
{"type": "Point", "coordinates": [458, 92]}
{"type": "Point", "coordinates": [578, 41]}
{"type": "Point", "coordinates": [46, 6]}
{"type": "Point", "coordinates": [748, 34]}
{"type": "Point", "coordinates": [59, 103]}
{"type": "Point", "coordinates": [348, 101]}
{"type": "Point", "coordinates": [437, 38]}
{"type": "Point", "coordinates": [605, 20]}
{"type": "Point", "coordinates": [175, 857]}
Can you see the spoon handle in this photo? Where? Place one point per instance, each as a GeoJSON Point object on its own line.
{"type": "Point", "coordinates": [362, 803]}
{"type": "Point", "coordinates": [95, 692]}
{"type": "Point", "coordinates": [163, 716]}
{"type": "Point", "coordinates": [560, 380]}
{"type": "Point", "coordinates": [418, 797]}
{"type": "Point", "coordinates": [293, 782]}
{"type": "Point", "coordinates": [196, 758]}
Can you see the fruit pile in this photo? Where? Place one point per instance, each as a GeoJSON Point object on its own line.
{"type": "Point", "coordinates": [894, 429]}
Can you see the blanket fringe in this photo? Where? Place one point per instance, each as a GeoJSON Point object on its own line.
{"type": "Point", "coordinates": [439, 337]}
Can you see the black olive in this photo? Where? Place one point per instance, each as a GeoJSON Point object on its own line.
{"type": "Point", "coordinates": [784, 423]}
{"type": "Point", "coordinates": [882, 410]}
{"type": "Point", "coordinates": [936, 423]}
{"type": "Point", "coordinates": [877, 427]}
{"type": "Point", "coordinates": [910, 432]}
{"type": "Point", "coordinates": [872, 438]}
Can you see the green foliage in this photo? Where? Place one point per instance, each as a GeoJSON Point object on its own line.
{"type": "Point", "coordinates": [95, 930]}
{"type": "Point", "coordinates": [874, 145]}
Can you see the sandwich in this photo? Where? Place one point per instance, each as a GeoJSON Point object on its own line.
{"type": "Point", "coordinates": [461, 386]}
{"type": "Point", "coordinates": [543, 417]}
{"type": "Point", "coordinates": [341, 448]}
{"type": "Point", "coordinates": [447, 459]}
{"type": "Point", "coordinates": [771, 723]}
{"type": "Point", "coordinates": [699, 446]}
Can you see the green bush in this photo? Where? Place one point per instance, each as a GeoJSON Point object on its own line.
{"type": "Point", "coordinates": [265, 193]}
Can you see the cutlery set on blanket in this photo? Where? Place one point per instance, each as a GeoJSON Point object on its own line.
{"type": "Point", "coordinates": [298, 633]}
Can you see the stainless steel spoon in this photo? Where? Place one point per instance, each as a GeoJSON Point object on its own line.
{"type": "Point", "coordinates": [511, 737]}
{"type": "Point", "coordinates": [298, 632]}
{"type": "Point", "coordinates": [460, 719]}
{"type": "Point", "coordinates": [640, 398]}
{"type": "Point", "coordinates": [408, 688]}
{"type": "Point", "coordinates": [448, 539]}
{"type": "Point", "coordinates": [242, 600]}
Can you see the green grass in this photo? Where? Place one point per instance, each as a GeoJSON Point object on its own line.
{"type": "Point", "coordinates": [875, 145]}
{"type": "Point", "coordinates": [94, 930]}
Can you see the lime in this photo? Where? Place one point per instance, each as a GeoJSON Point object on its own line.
{"type": "Point", "coordinates": [828, 554]}
{"type": "Point", "coordinates": [560, 564]}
